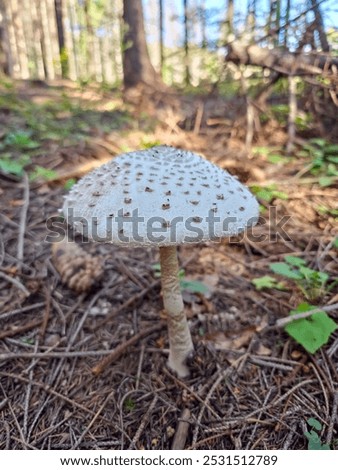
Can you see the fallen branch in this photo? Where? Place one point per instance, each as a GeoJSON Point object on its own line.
{"type": "Point", "coordinates": [15, 282]}
{"type": "Point", "coordinates": [181, 433]}
{"type": "Point", "coordinates": [298, 316]}
{"type": "Point", "coordinates": [279, 60]}
{"type": "Point", "coordinates": [23, 218]}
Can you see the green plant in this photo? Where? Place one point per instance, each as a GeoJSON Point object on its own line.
{"type": "Point", "coordinates": [12, 165]}
{"type": "Point", "coordinates": [195, 287]}
{"type": "Point", "coordinates": [267, 194]}
{"type": "Point", "coordinates": [69, 184]}
{"type": "Point", "coordinates": [42, 173]}
{"type": "Point", "coordinates": [327, 211]}
{"type": "Point", "coordinates": [129, 404]}
{"type": "Point", "coordinates": [147, 143]}
{"type": "Point", "coordinates": [323, 160]}
{"type": "Point", "coordinates": [314, 441]}
{"type": "Point", "coordinates": [311, 332]}
{"type": "Point", "coordinates": [312, 283]}
{"type": "Point", "coordinates": [20, 140]}
{"type": "Point", "coordinates": [281, 112]}
{"type": "Point", "coordinates": [272, 154]}
{"type": "Point", "coordinates": [267, 282]}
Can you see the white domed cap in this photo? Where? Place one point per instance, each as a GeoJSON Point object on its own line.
{"type": "Point", "coordinates": [159, 196]}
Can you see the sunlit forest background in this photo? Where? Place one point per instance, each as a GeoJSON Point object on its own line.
{"type": "Point", "coordinates": [251, 85]}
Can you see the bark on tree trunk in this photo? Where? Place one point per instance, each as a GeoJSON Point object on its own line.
{"type": "Point", "coordinates": [59, 10]}
{"type": "Point", "coordinates": [320, 26]}
{"type": "Point", "coordinates": [161, 32]}
{"type": "Point", "coordinates": [186, 43]}
{"type": "Point", "coordinates": [228, 28]}
{"type": "Point", "coordinates": [20, 39]}
{"type": "Point", "coordinates": [5, 50]}
{"type": "Point", "coordinates": [137, 67]}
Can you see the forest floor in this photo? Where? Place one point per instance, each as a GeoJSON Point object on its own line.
{"type": "Point", "coordinates": [252, 386]}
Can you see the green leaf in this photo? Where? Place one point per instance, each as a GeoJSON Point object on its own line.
{"type": "Point", "coordinates": [331, 149]}
{"type": "Point", "coordinates": [325, 181]}
{"type": "Point", "coordinates": [335, 242]}
{"type": "Point", "coordinates": [295, 261]}
{"type": "Point", "coordinates": [318, 141]}
{"type": "Point", "coordinates": [283, 269]}
{"type": "Point", "coordinates": [267, 282]}
{"type": "Point", "coordinates": [313, 422]}
{"type": "Point", "coordinates": [69, 183]}
{"type": "Point", "coordinates": [312, 332]}
{"type": "Point", "coordinates": [316, 277]}
{"type": "Point", "coordinates": [43, 173]}
{"type": "Point", "coordinates": [11, 166]}
{"type": "Point", "coordinates": [276, 158]}
{"type": "Point", "coordinates": [21, 140]}
{"type": "Point", "coordinates": [332, 159]}
{"type": "Point", "coordinates": [195, 287]}
{"type": "Point", "coordinates": [15, 166]}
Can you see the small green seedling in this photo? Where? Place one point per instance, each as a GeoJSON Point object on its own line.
{"type": "Point", "coordinates": [129, 404]}
{"type": "Point", "coordinates": [314, 441]}
{"type": "Point", "coordinates": [192, 286]}
{"type": "Point", "coordinates": [12, 165]}
{"type": "Point", "coordinates": [311, 332]}
{"type": "Point", "coordinates": [323, 160]}
{"type": "Point", "coordinates": [272, 154]}
{"type": "Point", "coordinates": [267, 282]}
{"type": "Point", "coordinates": [312, 283]}
{"type": "Point", "coordinates": [267, 194]}
{"type": "Point", "coordinates": [69, 184]}
{"type": "Point", "coordinates": [20, 140]}
{"type": "Point", "coordinates": [41, 173]}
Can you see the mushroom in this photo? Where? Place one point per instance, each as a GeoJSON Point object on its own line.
{"type": "Point", "coordinates": [190, 200]}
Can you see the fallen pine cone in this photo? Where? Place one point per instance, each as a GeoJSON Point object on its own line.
{"type": "Point", "coordinates": [78, 269]}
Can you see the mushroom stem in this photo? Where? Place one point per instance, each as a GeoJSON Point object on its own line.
{"type": "Point", "coordinates": [180, 341]}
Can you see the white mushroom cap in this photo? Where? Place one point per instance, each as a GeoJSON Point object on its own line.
{"type": "Point", "coordinates": [159, 196]}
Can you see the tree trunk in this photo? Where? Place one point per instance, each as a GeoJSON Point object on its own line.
{"type": "Point", "coordinates": [203, 21]}
{"type": "Point", "coordinates": [68, 53]}
{"type": "Point", "coordinates": [19, 39]}
{"type": "Point", "coordinates": [320, 26]}
{"type": "Point", "coordinates": [46, 42]}
{"type": "Point", "coordinates": [286, 22]}
{"type": "Point", "coordinates": [59, 12]}
{"type": "Point", "coordinates": [186, 43]}
{"type": "Point", "coordinates": [251, 19]}
{"type": "Point", "coordinates": [53, 34]}
{"type": "Point", "coordinates": [137, 67]}
{"type": "Point", "coordinates": [229, 22]}
{"type": "Point", "coordinates": [73, 21]}
{"type": "Point", "coordinates": [161, 31]}
{"type": "Point", "coordinates": [273, 25]}
{"type": "Point", "coordinates": [89, 40]}
{"type": "Point", "coordinates": [6, 66]}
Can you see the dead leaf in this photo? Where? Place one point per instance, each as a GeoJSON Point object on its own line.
{"type": "Point", "coordinates": [263, 350]}
{"type": "Point", "coordinates": [223, 341]}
